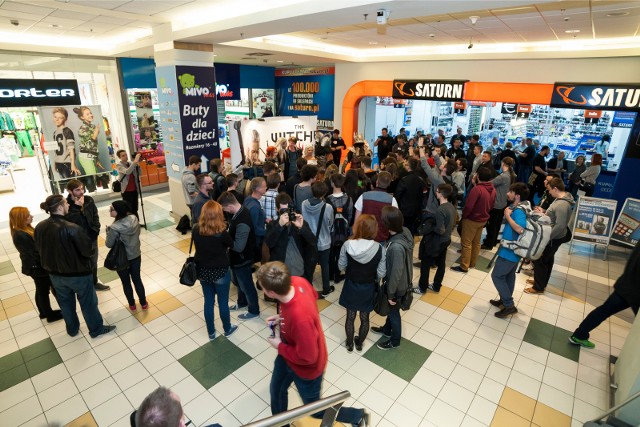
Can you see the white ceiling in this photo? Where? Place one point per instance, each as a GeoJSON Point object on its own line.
{"type": "Point", "coordinates": [312, 32]}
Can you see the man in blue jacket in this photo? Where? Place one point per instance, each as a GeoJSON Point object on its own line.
{"type": "Point", "coordinates": [504, 271]}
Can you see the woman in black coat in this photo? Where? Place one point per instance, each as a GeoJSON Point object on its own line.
{"type": "Point", "coordinates": [22, 234]}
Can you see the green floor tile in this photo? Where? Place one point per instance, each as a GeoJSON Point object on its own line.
{"type": "Point", "coordinates": [560, 345]}
{"type": "Point", "coordinates": [154, 226]}
{"type": "Point", "coordinates": [6, 267]}
{"type": "Point", "coordinates": [10, 361]}
{"type": "Point", "coordinates": [404, 361]}
{"type": "Point", "coordinates": [214, 361]}
{"type": "Point", "coordinates": [105, 275]}
{"type": "Point", "coordinates": [539, 333]}
{"type": "Point", "coordinates": [44, 362]}
{"type": "Point", "coordinates": [38, 349]}
{"type": "Point", "coordinates": [15, 376]}
{"type": "Point", "coordinates": [482, 263]}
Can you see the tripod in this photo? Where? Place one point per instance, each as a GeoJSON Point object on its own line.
{"type": "Point", "coordinates": [139, 187]}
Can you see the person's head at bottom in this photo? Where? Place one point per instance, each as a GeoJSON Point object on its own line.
{"type": "Point", "coordinates": [275, 279]}
{"type": "Point", "coordinates": [161, 408]}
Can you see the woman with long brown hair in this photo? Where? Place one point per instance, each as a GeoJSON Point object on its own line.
{"type": "Point", "coordinates": [363, 260]}
{"type": "Point", "coordinates": [589, 176]}
{"type": "Point", "coordinates": [212, 242]}
{"type": "Point", "coordinates": [20, 220]}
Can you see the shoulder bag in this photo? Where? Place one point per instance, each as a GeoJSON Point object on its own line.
{"type": "Point", "coordinates": [189, 273]}
{"type": "Point", "coordinates": [116, 259]}
{"type": "Point", "coordinates": [116, 186]}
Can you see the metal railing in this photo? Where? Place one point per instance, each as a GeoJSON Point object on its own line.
{"type": "Point", "coordinates": [612, 411]}
{"type": "Point", "coordinates": [331, 405]}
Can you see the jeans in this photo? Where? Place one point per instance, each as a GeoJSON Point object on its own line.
{"type": "Point", "coordinates": [244, 279]}
{"type": "Point", "coordinates": [504, 279]}
{"type": "Point", "coordinates": [334, 254]}
{"type": "Point", "coordinates": [440, 261]}
{"type": "Point", "coordinates": [470, 241]}
{"type": "Point", "coordinates": [67, 288]}
{"type": "Point", "coordinates": [493, 227]}
{"type": "Point", "coordinates": [309, 391]}
{"type": "Point", "coordinates": [132, 273]}
{"type": "Point", "coordinates": [614, 304]}
{"type": "Point", "coordinates": [43, 285]}
{"type": "Point", "coordinates": [210, 290]}
{"type": "Point", "coordinates": [523, 173]}
{"type": "Point", "coordinates": [323, 260]}
{"type": "Point", "coordinates": [543, 266]}
{"type": "Point", "coordinates": [393, 325]}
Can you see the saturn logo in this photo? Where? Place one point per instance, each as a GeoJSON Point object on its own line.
{"type": "Point", "coordinates": [565, 92]}
{"type": "Point", "coordinates": [400, 89]}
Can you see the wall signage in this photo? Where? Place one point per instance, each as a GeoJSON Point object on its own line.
{"type": "Point", "coordinates": [35, 93]}
{"type": "Point", "coordinates": [459, 108]}
{"type": "Point", "coordinates": [436, 90]}
{"type": "Point", "coordinates": [227, 81]}
{"type": "Point", "coordinates": [596, 96]}
{"type": "Point", "coordinates": [523, 111]}
{"type": "Point", "coordinates": [626, 230]}
{"type": "Point", "coordinates": [509, 108]}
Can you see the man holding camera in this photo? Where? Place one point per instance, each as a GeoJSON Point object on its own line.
{"type": "Point", "coordinates": [128, 177]}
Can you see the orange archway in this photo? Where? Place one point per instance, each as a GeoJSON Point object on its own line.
{"type": "Point", "coordinates": [352, 100]}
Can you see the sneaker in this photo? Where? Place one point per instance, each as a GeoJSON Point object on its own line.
{"type": "Point", "coordinates": [417, 290]}
{"type": "Point", "coordinates": [54, 316]}
{"type": "Point", "coordinates": [231, 330]}
{"type": "Point", "coordinates": [458, 269]}
{"type": "Point", "coordinates": [379, 330]}
{"type": "Point", "coordinates": [506, 311]}
{"type": "Point", "coordinates": [432, 288]}
{"type": "Point", "coordinates": [496, 302]}
{"type": "Point", "coordinates": [387, 345]}
{"type": "Point", "coordinates": [145, 306]}
{"type": "Point", "coordinates": [533, 290]}
{"type": "Point", "coordinates": [132, 307]}
{"type": "Point", "coordinates": [247, 316]}
{"type": "Point", "coordinates": [365, 421]}
{"type": "Point", "coordinates": [100, 287]}
{"type": "Point", "coordinates": [236, 307]}
{"type": "Point", "coordinates": [105, 330]}
{"type": "Point", "coordinates": [331, 289]}
{"type": "Point", "coordinates": [212, 336]}
{"type": "Point", "coordinates": [358, 344]}
{"type": "Point", "coordinates": [582, 343]}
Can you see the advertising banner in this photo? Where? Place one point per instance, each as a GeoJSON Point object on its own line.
{"type": "Point", "coordinates": [435, 90]}
{"type": "Point", "coordinates": [37, 93]}
{"type": "Point", "coordinates": [78, 134]}
{"type": "Point", "coordinates": [249, 139]}
{"type": "Point", "coordinates": [596, 96]}
{"type": "Point", "coordinates": [227, 81]}
{"type": "Point", "coordinates": [627, 228]}
{"type": "Point", "coordinates": [594, 220]}
{"type": "Point", "coordinates": [306, 91]}
{"type": "Point", "coordinates": [170, 120]}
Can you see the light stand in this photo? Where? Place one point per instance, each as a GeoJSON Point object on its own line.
{"type": "Point", "coordinates": [144, 218]}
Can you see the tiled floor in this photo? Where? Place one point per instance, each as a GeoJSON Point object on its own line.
{"type": "Point", "coordinates": [457, 365]}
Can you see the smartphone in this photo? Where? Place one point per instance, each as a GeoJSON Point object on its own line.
{"type": "Point", "coordinates": [272, 326]}
{"type": "Point", "coordinates": [292, 213]}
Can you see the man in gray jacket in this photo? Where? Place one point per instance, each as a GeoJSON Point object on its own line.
{"type": "Point", "coordinates": [560, 213]}
{"type": "Point", "coordinates": [189, 185]}
{"type": "Point", "coordinates": [312, 209]}
{"type": "Point", "coordinates": [435, 175]}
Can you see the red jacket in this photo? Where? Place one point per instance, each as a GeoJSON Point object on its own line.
{"type": "Point", "coordinates": [479, 202]}
{"type": "Point", "coordinates": [303, 345]}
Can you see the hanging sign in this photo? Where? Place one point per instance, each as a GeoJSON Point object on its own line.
{"type": "Point", "coordinates": [596, 96]}
{"type": "Point", "coordinates": [36, 93]}
{"type": "Point", "coordinates": [626, 230]}
{"type": "Point", "coordinates": [509, 108]}
{"type": "Point", "coordinates": [435, 90]}
{"type": "Point", "coordinates": [523, 111]}
{"type": "Point", "coordinates": [592, 116]}
{"type": "Point", "coordinates": [459, 108]}
{"type": "Point", "coordinates": [594, 219]}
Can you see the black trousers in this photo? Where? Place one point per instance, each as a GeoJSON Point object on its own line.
{"type": "Point", "coordinates": [334, 254]}
{"type": "Point", "coordinates": [440, 262]}
{"type": "Point", "coordinates": [614, 304]}
{"type": "Point", "coordinates": [131, 197]}
{"type": "Point", "coordinates": [43, 286]}
{"type": "Point", "coordinates": [493, 227]}
{"type": "Point", "coordinates": [543, 266]}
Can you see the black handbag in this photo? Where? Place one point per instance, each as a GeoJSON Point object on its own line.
{"type": "Point", "coordinates": [406, 300]}
{"type": "Point", "coordinates": [116, 186]}
{"type": "Point", "coordinates": [189, 272]}
{"type": "Point", "coordinates": [116, 259]}
{"type": "Point", "coordinates": [380, 302]}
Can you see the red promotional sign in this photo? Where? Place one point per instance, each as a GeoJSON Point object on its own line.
{"type": "Point", "coordinates": [592, 114]}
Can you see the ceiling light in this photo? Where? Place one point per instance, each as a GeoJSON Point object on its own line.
{"type": "Point", "coordinates": [617, 14]}
{"type": "Point", "coordinates": [474, 19]}
{"type": "Point", "coordinates": [571, 31]}
{"type": "Point", "coordinates": [280, 62]}
{"type": "Point", "coordinates": [373, 43]}
{"type": "Point", "coordinates": [55, 26]}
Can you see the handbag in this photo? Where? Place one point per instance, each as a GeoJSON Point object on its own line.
{"type": "Point", "coordinates": [380, 302]}
{"type": "Point", "coordinates": [189, 273]}
{"type": "Point", "coordinates": [116, 259]}
{"type": "Point", "coordinates": [116, 186]}
{"type": "Point", "coordinates": [406, 300]}
{"type": "Point", "coordinates": [532, 178]}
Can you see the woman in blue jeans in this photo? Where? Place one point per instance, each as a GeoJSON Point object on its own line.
{"type": "Point", "coordinates": [126, 228]}
{"type": "Point", "coordinates": [212, 242]}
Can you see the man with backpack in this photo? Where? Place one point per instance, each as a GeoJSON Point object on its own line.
{"type": "Point", "coordinates": [340, 231]}
{"type": "Point", "coordinates": [504, 271]}
{"type": "Point", "coordinates": [559, 212]}
{"type": "Point", "coordinates": [302, 191]}
{"type": "Point", "coordinates": [216, 172]}
{"type": "Point", "coordinates": [409, 194]}
{"type": "Point", "coordinates": [319, 215]}
{"type": "Point", "coordinates": [268, 201]}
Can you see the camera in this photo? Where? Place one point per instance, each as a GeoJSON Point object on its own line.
{"type": "Point", "coordinates": [292, 213]}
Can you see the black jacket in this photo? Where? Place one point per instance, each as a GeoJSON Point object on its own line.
{"type": "Point", "coordinates": [29, 256]}
{"type": "Point", "coordinates": [277, 239]}
{"type": "Point", "coordinates": [628, 285]}
{"type": "Point", "coordinates": [65, 249]}
{"type": "Point", "coordinates": [286, 161]}
{"type": "Point", "coordinates": [409, 194]}
{"type": "Point", "coordinates": [239, 224]}
{"type": "Point", "coordinates": [292, 182]}
{"type": "Point", "coordinates": [85, 216]}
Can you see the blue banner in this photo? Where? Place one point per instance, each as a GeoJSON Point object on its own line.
{"type": "Point", "coordinates": [306, 92]}
{"type": "Point", "coordinates": [596, 96]}
{"type": "Point", "coordinates": [170, 120]}
{"type": "Point", "coordinates": [227, 81]}
{"type": "Point", "coordinates": [623, 119]}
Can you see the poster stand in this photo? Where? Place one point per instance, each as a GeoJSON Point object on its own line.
{"type": "Point", "coordinates": [626, 230]}
{"type": "Point", "coordinates": [593, 222]}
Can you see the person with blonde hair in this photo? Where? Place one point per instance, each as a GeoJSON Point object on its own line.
{"type": "Point", "coordinates": [364, 262]}
{"type": "Point", "coordinates": [212, 242]}
{"type": "Point", "coordinates": [20, 220]}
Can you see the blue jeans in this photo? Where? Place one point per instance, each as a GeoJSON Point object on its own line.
{"type": "Point", "coordinates": [67, 288]}
{"type": "Point", "coordinates": [504, 279]}
{"type": "Point", "coordinates": [323, 260]}
{"type": "Point", "coordinates": [309, 391]}
{"type": "Point", "coordinates": [614, 304]}
{"type": "Point", "coordinates": [242, 276]}
{"type": "Point", "coordinates": [393, 325]}
{"type": "Point", "coordinates": [210, 290]}
{"type": "Point", "coordinates": [133, 273]}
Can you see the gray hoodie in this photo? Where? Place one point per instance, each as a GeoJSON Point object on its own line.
{"type": "Point", "coordinates": [560, 213]}
{"type": "Point", "coordinates": [189, 185]}
{"type": "Point", "coordinates": [311, 212]}
{"type": "Point", "coordinates": [501, 183]}
{"type": "Point", "coordinates": [128, 230]}
{"type": "Point", "coordinates": [436, 179]}
{"type": "Point", "coordinates": [399, 263]}
{"type": "Point", "coordinates": [362, 250]}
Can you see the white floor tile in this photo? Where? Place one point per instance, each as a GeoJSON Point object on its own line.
{"type": "Point", "coordinates": [251, 373]}
{"type": "Point", "coordinates": [247, 406]}
{"type": "Point", "coordinates": [21, 413]}
{"type": "Point", "coordinates": [67, 411]}
{"type": "Point", "coordinates": [365, 370]}
{"type": "Point", "coordinates": [146, 347]}
{"type": "Point", "coordinates": [491, 390]}
{"type": "Point", "coordinates": [429, 381]}
{"type": "Point", "coordinates": [563, 382]}
{"type": "Point", "coordinates": [442, 414]}
{"type": "Point", "coordinates": [49, 378]}
{"type": "Point", "coordinates": [556, 399]}
{"type": "Point", "coordinates": [449, 350]}
{"type": "Point", "coordinates": [57, 394]}
{"type": "Point", "coordinates": [131, 375]}
{"type": "Point", "coordinates": [120, 361]}
{"type": "Point", "coordinates": [112, 410]}
{"type": "Point", "coordinates": [100, 392]}
{"type": "Point", "coordinates": [137, 392]}
{"type": "Point", "coordinates": [157, 360]}
{"type": "Point", "coordinates": [528, 367]}
{"type": "Point", "coordinates": [110, 348]}
{"type": "Point", "coordinates": [524, 384]}
{"type": "Point", "coordinates": [389, 384]}
{"type": "Point", "coordinates": [402, 416]}
{"type": "Point", "coordinates": [188, 389]}
{"type": "Point", "coordinates": [373, 398]}
{"type": "Point", "coordinates": [200, 409]}
{"type": "Point", "coordinates": [456, 396]}
{"type": "Point", "coordinates": [474, 361]}
{"type": "Point", "coordinates": [416, 400]}
{"type": "Point", "coordinates": [466, 378]}
{"type": "Point", "coordinates": [482, 410]}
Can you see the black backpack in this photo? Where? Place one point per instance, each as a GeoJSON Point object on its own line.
{"type": "Point", "coordinates": [456, 192]}
{"type": "Point", "coordinates": [184, 224]}
{"type": "Point", "coordinates": [340, 230]}
{"type": "Point", "coordinates": [217, 188]}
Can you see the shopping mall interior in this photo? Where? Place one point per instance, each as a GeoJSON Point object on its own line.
{"type": "Point", "coordinates": [81, 80]}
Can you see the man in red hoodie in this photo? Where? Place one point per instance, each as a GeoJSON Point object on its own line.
{"type": "Point", "coordinates": [475, 215]}
{"type": "Point", "coordinates": [302, 350]}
